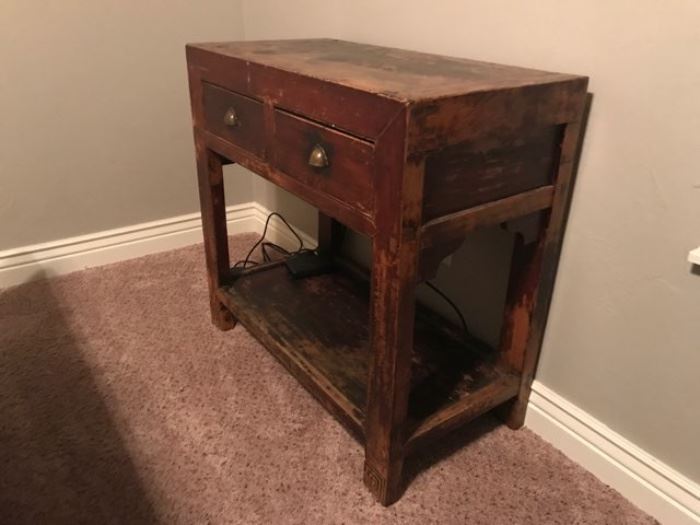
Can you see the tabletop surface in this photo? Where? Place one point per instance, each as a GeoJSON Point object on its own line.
{"type": "Point", "coordinates": [393, 73]}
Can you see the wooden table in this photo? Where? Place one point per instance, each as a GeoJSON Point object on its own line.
{"type": "Point", "coordinates": [414, 151]}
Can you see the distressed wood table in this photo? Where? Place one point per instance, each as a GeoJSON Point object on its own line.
{"type": "Point", "coordinates": [414, 151]}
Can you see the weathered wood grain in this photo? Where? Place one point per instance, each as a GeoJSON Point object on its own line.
{"type": "Point", "coordinates": [476, 115]}
{"type": "Point", "coordinates": [212, 201]}
{"type": "Point", "coordinates": [318, 99]}
{"type": "Point", "coordinates": [330, 205]}
{"type": "Point", "coordinates": [395, 262]}
{"type": "Point", "coordinates": [389, 72]}
{"type": "Point", "coordinates": [249, 132]}
{"type": "Point", "coordinates": [349, 174]}
{"type": "Point", "coordinates": [471, 173]}
{"type": "Point", "coordinates": [423, 149]}
{"type": "Point", "coordinates": [501, 389]}
{"type": "Point", "coordinates": [318, 328]}
{"type": "Point", "coordinates": [444, 230]}
{"type": "Point", "coordinates": [532, 281]}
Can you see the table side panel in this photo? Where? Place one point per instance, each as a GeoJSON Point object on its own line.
{"type": "Point", "coordinates": [471, 173]}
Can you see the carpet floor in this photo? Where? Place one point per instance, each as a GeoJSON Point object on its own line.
{"type": "Point", "coordinates": [120, 403]}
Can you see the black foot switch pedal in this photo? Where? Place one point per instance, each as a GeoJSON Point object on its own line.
{"type": "Point", "coordinates": [308, 264]}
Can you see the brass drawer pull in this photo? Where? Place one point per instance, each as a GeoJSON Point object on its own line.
{"type": "Point", "coordinates": [318, 157]}
{"type": "Point", "coordinates": [231, 118]}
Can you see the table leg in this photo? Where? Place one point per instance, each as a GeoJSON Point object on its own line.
{"type": "Point", "coordinates": [392, 319]}
{"type": "Point", "coordinates": [330, 234]}
{"type": "Point", "coordinates": [517, 334]}
{"type": "Point", "coordinates": [533, 271]}
{"type": "Point", "coordinates": [213, 205]}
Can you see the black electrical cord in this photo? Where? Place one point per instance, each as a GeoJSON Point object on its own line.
{"type": "Point", "coordinates": [274, 247]}
{"type": "Point", "coordinates": [265, 245]}
{"type": "Point", "coordinates": [449, 301]}
{"type": "Point", "coordinates": [247, 262]}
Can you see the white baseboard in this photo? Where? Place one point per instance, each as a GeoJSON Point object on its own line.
{"type": "Point", "coordinates": [38, 261]}
{"type": "Point", "coordinates": [54, 258]}
{"type": "Point", "coordinates": [653, 486]}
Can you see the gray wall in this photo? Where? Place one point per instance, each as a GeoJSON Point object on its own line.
{"type": "Point", "coordinates": [95, 126]}
{"type": "Point", "coordinates": [622, 341]}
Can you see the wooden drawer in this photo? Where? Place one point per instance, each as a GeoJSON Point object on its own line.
{"type": "Point", "coordinates": [350, 161]}
{"type": "Point", "coordinates": [235, 118]}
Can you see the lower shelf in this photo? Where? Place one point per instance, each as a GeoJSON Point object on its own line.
{"type": "Point", "coordinates": [319, 329]}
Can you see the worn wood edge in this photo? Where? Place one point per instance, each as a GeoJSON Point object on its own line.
{"type": "Point", "coordinates": [645, 480]}
{"type": "Point", "coordinates": [338, 132]}
{"type": "Point", "coordinates": [212, 200]}
{"type": "Point", "coordinates": [254, 75]}
{"type": "Point", "coordinates": [193, 48]}
{"type": "Point", "coordinates": [237, 273]}
{"type": "Point", "coordinates": [398, 189]}
{"type": "Point", "coordinates": [332, 399]}
{"type": "Point", "coordinates": [553, 239]}
{"type": "Point", "coordinates": [455, 225]}
{"type": "Point", "coordinates": [421, 141]}
{"type": "Point", "coordinates": [456, 414]}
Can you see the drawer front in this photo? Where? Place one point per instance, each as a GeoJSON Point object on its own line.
{"type": "Point", "coordinates": [235, 118]}
{"type": "Point", "coordinates": [333, 162]}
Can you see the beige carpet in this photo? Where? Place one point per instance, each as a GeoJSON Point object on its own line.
{"type": "Point", "coordinates": [120, 403]}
